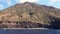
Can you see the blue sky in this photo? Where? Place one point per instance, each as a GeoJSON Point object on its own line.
{"type": "Point", "coordinates": [7, 3]}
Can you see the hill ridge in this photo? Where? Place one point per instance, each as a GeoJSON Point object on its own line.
{"type": "Point", "coordinates": [31, 12]}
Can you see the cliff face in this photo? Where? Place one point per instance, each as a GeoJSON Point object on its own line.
{"type": "Point", "coordinates": [29, 13]}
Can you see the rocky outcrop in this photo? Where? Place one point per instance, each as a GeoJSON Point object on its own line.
{"type": "Point", "coordinates": [10, 24]}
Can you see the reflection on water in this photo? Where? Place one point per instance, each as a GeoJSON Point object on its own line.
{"type": "Point", "coordinates": [29, 31]}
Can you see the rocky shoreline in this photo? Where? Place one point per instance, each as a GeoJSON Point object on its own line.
{"type": "Point", "coordinates": [23, 24]}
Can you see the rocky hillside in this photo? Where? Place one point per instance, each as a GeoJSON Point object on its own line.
{"type": "Point", "coordinates": [32, 12]}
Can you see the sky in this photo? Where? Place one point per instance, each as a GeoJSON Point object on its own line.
{"type": "Point", "coordinates": [7, 3]}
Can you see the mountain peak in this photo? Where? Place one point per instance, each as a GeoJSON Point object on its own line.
{"type": "Point", "coordinates": [26, 2]}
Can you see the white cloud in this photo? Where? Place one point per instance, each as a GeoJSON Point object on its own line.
{"type": "Point", "coordinates": [22, 1]}
{"type": "Point", "coordinates": [2, 0]}
{"type": "Point", "coordinates": [1, 6]}
{"type": "Point", "coordinates": [7, 1]}
{"type": "Point", "coordinates": [53, 1]}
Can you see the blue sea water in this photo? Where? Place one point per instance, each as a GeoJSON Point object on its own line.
{"type": "Point", "coordinates": [29, 31]}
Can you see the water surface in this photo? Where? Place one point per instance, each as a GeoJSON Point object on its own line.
{"type": "Point", "coordinates": [29, 31]}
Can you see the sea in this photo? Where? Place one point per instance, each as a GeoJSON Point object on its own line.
{"type": "Point", "coordinates": [29, 31]}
